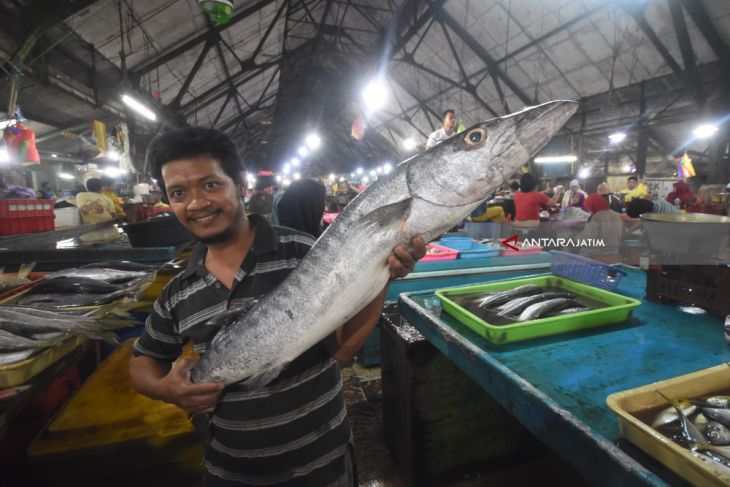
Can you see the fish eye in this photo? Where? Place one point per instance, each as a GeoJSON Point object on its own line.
{"type": "Point", "coordinates": [475, 137]}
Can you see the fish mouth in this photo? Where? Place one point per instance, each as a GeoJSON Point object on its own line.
{"type": "Point", "coordinates": [204, 218]}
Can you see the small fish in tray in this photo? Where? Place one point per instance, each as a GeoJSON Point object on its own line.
{"type": "Point", "coordinates": [700, 425]}
{"type": "Point", "coordinates": [516, 306]}
{"type": "Point", "coordinates": [62, 292]}
{"type": "Point", "coordinates": [501, 297]}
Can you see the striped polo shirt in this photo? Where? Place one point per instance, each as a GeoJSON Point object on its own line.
{"type": "Point", "coordinates": [295, 430]}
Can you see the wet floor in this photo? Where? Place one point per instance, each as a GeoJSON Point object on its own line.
{"type": "Point", "coordinates": [377, 468]}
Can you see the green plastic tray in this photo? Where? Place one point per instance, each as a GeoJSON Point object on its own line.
{"type": "Point", "coordinates": [618, 309]}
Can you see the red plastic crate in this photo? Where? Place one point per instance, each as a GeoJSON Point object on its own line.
{"type": "Point", "coordinates": [26, 216]}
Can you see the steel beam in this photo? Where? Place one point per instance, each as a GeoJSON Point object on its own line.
{"type": "Point", "coordinates": [688, 55]}
{"type": "Point", "coordinates": [482, 53]}
{"type": "Point", "coordinates": [175, 104]}
{"type": "Point", "coordinates": [150, 64]}
{"type": "Point", "coordinates": [704, 22]}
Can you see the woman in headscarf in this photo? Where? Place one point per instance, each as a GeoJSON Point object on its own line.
{"type": "Point", "coordinates": [302, 206]}
{"type": "Point", "coordinates": [682, 193]}
{"type": "Point", "coordinates": [604, 225]}
{"type": "Point", "coordinates": [578, 201]}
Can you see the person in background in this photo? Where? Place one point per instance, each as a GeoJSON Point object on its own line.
{"type": "Point", "coordinates": [107, 189]}
{"type": "Point", "coordinates": [262, 201]}
{"type": "Point", "coordinates": [45, 192]}
{"type": "Point", "coordinates": [345, 193]}
{"type": "Point", "coordinates": [681, 197]}
{"type": "Point", "coordinates": [639, 206]}
{"type": "Point", "coordinates": [302, 206]}
{"type": "Point", "coordinates": [295, 430]}
{"type": "Point", "coordinates": [614, 202]}
{"type": "Point", "coordinates": [94, 206]}
{"type": "Point", "coordinates": [274, 206]}
{"type": "Point", "coordinates": [572, 191]}
{"type": "Point", "coordinates": [529, 202]}
{"type": "Point", "coordinates": [445, 132]}
{"type": "Point", "coordinates": [634, 189]}
{"type": "Point", "coordinates": [578, 201]}
{"type": "Point", "coordinates": [604, 224]}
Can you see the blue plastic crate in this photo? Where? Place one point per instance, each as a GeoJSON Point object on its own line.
{"type": "Point", "coordinates": [479, 250]}
{"type": "Point", "coordinates": [456, 243]}
{"type": "Point", "coordinates": [584, 270]}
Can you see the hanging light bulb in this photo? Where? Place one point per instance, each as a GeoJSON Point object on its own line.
{"type": "Point", "coordinates": [220, 11]}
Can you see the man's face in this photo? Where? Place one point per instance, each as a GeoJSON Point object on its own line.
{"type": "Point", "coordinates": [204, 198]}
{"type": "Point", "coordinates": [449, 120]}
{"type": "Point", "coordinates": [631, 183]}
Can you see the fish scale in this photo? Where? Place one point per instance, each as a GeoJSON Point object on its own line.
{"type": "Point", "coordinates": [424, 195]}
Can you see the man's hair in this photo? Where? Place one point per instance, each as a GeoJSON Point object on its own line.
{"type": "Point", "coordinates": [446, 112]}
{"type": "Point", "coordinates": [94, 185]}
{"type": "Point", "coordinates": [634, 178]}
{"type": "Point", "coordinates": [106, 181]}
{"type": "Point", "coordinates": [638, 206]}
{"type": "Point", "coordinates": [193, 142]}
{"type": "Point", "coordinates": [527, 182]}
{"type": "Point", "coordinates": [514, 186]}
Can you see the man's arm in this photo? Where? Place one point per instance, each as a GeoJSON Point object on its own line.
{"type": "Point", "coordinates": [158, 380]}
{"type": "Point", "coordinates": [347, 340]}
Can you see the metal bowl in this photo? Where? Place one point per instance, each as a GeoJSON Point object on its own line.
{"type": "Point", "coordinates": [696, 234]}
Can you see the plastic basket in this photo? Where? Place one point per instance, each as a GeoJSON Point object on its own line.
{"type": "Point", "coordinates": [26, 216]}
{"type": "Point", "coordinates": [585, 270]}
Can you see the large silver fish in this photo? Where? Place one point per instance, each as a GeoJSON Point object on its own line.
{"type": "Point", "coordinates": [426, 194]}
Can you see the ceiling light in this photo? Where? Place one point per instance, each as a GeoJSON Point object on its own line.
{"type": "Point", "coordinates": [379, 170]}
{"type": "Point", "coordinates": [286, 182]}
{"type": "Point", "coordinates": [555, 159]}
{"type": "Point", "coordinates": [113, 154]}
{"type": "Point", "coordinates": [220, 11]}
{"type": "Point", "coordinates": [365, 179]}
{"type": "Point", "coordinates": [409, 144]}
{"type": "Point", "coordinates": [302, 151]}
{"type": "Point", "coordinates": [65, 175]}
{"type": "Point", "coordinates": [297, 175]}
{"type": "Point", "coordinates": [54, 156]}
{"type": "Point", "coordinates": [295, 161]}
{"type": "Point", "coordinates": [278, 179]}
{"type": "Point", "coordinates": [387, 167]}
{"type": "Point", "coordinates": [705, 131]}
{"type": "Point", "coordinates": [617, 137]}
{"type": "Point", "coordinates": [139, 107]}
{"type": "Point", "coordinates": [286, 169]}
{"type": "Point", "coordinates": [373, 173]}
{"type": "Point", "coordinates": [332, 177]}
{"type": "Point", "coordinates": [313, 141]}
{"type": "Point", "coordinates": [352, 175]}
{"type": "Point", "coordinates": [342, 180]}
{"type": "Point", "coordinates": [584, 172]}
{"type": "Point", "coordinates": [375, 95]}
{"type": "Point", "coordinates": [114, 172]}
{"type": "Point", "coordinates": [359, 170]}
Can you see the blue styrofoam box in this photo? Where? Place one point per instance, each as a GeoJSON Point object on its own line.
{"type": "Point", "coordinates": [456, 243]}
{"type": "Point", "coordinates": [479, 250]}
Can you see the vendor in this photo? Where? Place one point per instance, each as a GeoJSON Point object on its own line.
{"type": "Point", "coordinates": [568, 199]}
{"type": "Point", "coordinates": [107, 189]}
{"type": "Point", "coordinates": [529, 202]}
{"type": "Point", "coordinates": [94, 206]}
{"type": "Point", "coordinates": [639, 206]}
{"type": "Point", "coordinates": [634, 189]}
{"type": "Point", "coordinates": [614, 202]}
{"type": "Point", "coordinates": [604, 224]}
{"type": "Point", "coordinates": [681, 197]}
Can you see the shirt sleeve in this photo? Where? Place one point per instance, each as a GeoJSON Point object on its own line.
{"type": "Point", "coordinates": [160, 338]}
{"type": "Point", "coordinates": [541, 198]}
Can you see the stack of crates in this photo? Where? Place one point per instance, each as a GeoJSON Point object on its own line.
{"type": "Point", "coordinates": [26, 216]}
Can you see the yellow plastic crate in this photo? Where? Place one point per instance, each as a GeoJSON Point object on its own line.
{"type": "Point", "coordinates": [696, 469]}
{"type": "Point", "coordinates": [21, 372]}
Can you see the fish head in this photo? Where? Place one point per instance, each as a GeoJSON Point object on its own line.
{"type": "Point", "coordinates": [468, 167]}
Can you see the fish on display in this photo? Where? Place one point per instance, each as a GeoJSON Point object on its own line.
{"type": "Point", "coordinates": [10, 342]}
{"type": "Point", "coordinates": [37, 323]}
{"type": "Point", "coordinates": [718, 401]}
{"type": "Point", "coordinates": [72, 285]}
{"type": "Point", "coordinates": [502, 297]}
{"type": "Point", "coordinates": [426, 194]}
{"type": "Point", "coordinates": [123, 265]}
{"type": "Point", "coordinates": [669, 415]}
{"type": "Point", "coordinates": [11, 281]}
{"type": "Point", "coordinates": [58, 300]}
{"type": "Point", "coordinates": [113, 276]}
{"type": "Point", "coordinates": [717, 433]}
{"type": "Point", "coordinates": [535, 311]}
{"type": "Point", "coordinates": [516, 306]}
{"type": "Point", "coordinates": [7, 358]}
{"type": "Point", "coordinates": [568, 311]}
{"type": "Point", "coordinates": [721, 415]}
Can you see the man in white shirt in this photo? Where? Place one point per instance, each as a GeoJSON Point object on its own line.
{"type": "Point", "coordinates": [443, 133]}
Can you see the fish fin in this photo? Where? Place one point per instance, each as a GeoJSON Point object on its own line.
{"type": "Point", "coordinates": [385, 216]}
{"type": "Point", "coordinates": [260, 380]}
{"type": "Point", "coordinates": [25, 269]}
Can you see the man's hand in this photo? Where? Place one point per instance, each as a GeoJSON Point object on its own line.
{"type": "Point", "coordinates": [402, 260]}
{"type": "Point", "coordinates": [191, 398]}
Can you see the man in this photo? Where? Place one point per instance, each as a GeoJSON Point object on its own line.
{"type": "Point", "coordinates": [444, 133]}
{"type": "Point", "coordinates": [574, 190]}
{"type": "Point", "coordinates": [614, 202]}
{"type": "Point", "coordinates": [634, 189]}
{"type": "Point", "coordinates": [639, 206]}
{"type": "Point", "coordinates": [262, 201]}
{"type": "Point", "coordinates": [94, 207]}
{"type": "Point", "coordinates": [294, 431]}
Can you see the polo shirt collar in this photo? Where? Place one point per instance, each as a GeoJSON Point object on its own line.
{"type": "Point", "coordinates": [265, 241]}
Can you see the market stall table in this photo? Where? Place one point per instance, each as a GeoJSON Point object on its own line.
{"type": "Point", "coordinates": [557, 386]}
